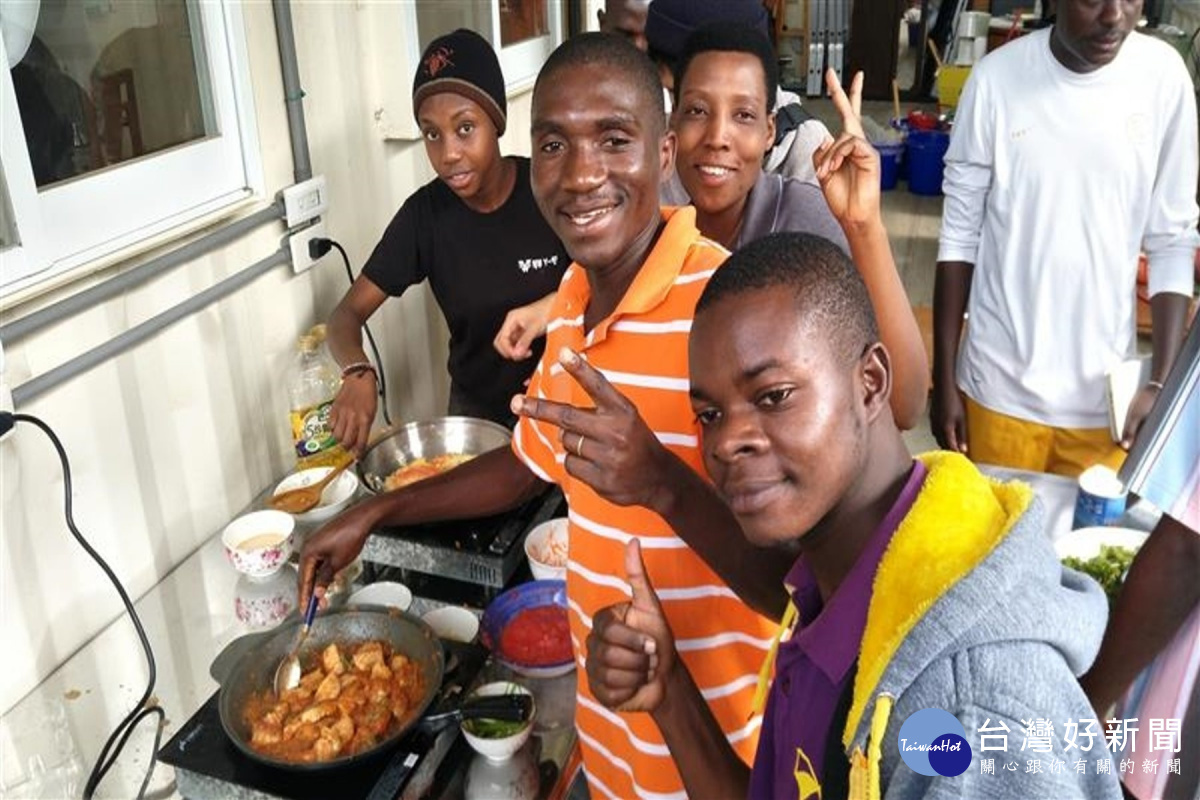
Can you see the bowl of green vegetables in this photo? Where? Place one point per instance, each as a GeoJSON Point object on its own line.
{"type": "Point", "coordinates": [496, 739]}
{"type": "Point", "coordinates": [1104, 554]}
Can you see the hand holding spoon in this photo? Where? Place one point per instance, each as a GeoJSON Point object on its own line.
{"type": "Point", "coordinates": [287, 674]}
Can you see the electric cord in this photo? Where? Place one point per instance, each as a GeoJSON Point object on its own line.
{"type": "Point", "coordinates": [319, 247]}
{"type": "Point", "coordinates": [121, 733]}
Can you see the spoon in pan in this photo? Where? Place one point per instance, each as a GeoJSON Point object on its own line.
{"type": "Point", "coordinates": [297, 501]}
{"type": "Point", "coordinates": [287, 674]}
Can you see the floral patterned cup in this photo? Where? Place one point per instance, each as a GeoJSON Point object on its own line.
{"type": "Point", "coordinates": [264, 603]}
{"type": "Point", "coordinates": [259, 544]}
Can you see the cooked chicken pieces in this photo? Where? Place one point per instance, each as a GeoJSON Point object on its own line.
{"type": "Point", "coordinates": [346, 703]}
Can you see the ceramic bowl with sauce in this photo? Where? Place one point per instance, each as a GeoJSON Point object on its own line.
{"type": "Point", "coordinates": [527, 628]}
{"type": "Point", "coordinates": [335, 498]}
{"type": "Point", "coordinates": [258, 544]}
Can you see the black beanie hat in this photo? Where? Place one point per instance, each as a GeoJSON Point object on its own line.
{"type": "Point", "coordinates": [463, 63]}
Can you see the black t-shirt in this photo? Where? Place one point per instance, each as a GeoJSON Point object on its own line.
{"type": "Point", "coordinates": [480, 266]}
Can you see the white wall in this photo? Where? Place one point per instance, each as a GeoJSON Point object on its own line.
{"type": "Point", "coordinates": [172, 439]}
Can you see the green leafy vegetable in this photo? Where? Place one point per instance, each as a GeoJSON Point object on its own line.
{"type": "Point", "coordinates": [1108, 568]}
{"type": "Point", "coordinates": [494, 728]}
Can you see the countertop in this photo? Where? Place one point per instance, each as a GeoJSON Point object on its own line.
{"type": "Point", "coordinates": [50, 739]}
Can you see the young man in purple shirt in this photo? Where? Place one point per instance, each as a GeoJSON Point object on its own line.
{"type": "Point", "coordinates": [815, 667]}
{"type": "Point", "coordinates": [918, 584]}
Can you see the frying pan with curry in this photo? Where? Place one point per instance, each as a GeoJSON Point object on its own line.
{"type": "Point", "coordinates": [247, 667]}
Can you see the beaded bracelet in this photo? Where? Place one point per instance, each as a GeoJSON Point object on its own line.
{"type": "Point", "coordinates": [358, 368]}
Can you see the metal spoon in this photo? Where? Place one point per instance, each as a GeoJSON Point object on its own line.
{"type": "Point", "coordinates": [297, 501]}
{"type": "Point", "coordinates": [287, 674]}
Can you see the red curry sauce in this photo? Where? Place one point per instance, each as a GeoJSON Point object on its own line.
{"type": "Point", "coordinates": [537, 637]}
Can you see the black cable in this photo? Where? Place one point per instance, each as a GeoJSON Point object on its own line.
{"type": "Point", "coordinates": [109, 753]}
{"type": "Point", "coordinates": [318, 248]}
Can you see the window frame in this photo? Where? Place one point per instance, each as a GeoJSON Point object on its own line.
{"type": "Point", "coordinates": [71, 224]}
{"type": "Point", "coordinates": [522, 61]}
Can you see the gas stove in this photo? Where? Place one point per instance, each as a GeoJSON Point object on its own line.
{"type": "Point", "coordinates": [483, 552]}
{"type": "Point", "coordinates": [209, 767]}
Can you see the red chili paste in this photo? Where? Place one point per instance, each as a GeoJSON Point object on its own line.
{"type": "Point", "coordinates": [537, 637]}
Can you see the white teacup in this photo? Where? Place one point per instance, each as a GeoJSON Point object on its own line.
{"type": "Point", "coordinates": [258, 544]}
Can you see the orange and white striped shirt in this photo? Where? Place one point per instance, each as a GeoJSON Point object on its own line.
{"type": "Point", "coordinates": [642, 350]}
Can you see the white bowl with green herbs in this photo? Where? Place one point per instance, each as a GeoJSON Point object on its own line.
{"type": "Point", "coordinates": [494, 739]}
{"type": "Point", "coordinates": [1103, 554]}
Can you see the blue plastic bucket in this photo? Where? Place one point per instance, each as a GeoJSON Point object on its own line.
{"type": "Point", "coordinates": [890, 156]}
{"type": "Point", "coordinates": [926, 161]}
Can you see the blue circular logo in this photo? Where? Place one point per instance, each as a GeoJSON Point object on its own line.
{"type": "Point", "coordinates": [933, 742]}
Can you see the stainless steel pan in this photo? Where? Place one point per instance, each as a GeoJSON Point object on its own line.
{"type": "Point", "coordinates": [427, 439]}
{"type": "Point", "coordinates": [247, 667]}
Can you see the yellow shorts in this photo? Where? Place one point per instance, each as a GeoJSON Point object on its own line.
{"type": "Point", "coordinates": [995, 438]}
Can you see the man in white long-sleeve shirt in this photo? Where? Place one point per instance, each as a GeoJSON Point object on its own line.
{"type": "Point", "coordinates": [1074, 148]}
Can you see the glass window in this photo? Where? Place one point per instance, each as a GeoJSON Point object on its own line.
{"type": "Point", "coordinates": [135, 118]}
{"type": "Point", "coordinates": [102, 83]}
{"type": "Point", "coordinates": [522, 20]}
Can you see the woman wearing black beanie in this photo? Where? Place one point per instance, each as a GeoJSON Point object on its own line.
{"type": "Point", "coordinates": [474, 232]}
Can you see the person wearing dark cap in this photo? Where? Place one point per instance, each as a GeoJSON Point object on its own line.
{"type": "Point", "coordinates": [797, 133]}
{"type": "Point", "coordinates": [474, 232]}
{"type": "Point", "coordinates": [625, 18]}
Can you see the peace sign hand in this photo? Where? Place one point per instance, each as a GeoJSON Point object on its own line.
{"type": "Point", "coordinates": [608, 447]}
{"type": "Point", "coordinates": [848, 167]}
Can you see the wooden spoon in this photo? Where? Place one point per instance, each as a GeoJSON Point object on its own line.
{"type": "Point", "coordinates": [297, 501]}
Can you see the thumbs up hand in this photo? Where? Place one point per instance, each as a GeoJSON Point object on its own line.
{"type": "Point", "coordinates": [631, 650]}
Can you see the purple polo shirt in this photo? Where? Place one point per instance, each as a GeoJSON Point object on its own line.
{"type": "Point", "coordinates": [813, 667]}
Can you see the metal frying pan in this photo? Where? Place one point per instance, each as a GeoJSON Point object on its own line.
{"type": "Point", "coordinates": [404, 444]}
{"type": "Point", "coordinates": [247, 667]}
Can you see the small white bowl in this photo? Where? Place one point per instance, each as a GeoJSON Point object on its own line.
{"type": "Point", "coordinates": [453, 623]}
{"type": "Point", "coordinates": [538, 540]}
{"type": "Point", "coordinates": [334, 498]}
{"type": "Point", "coordinates": [258, 544]}
{"type": "Point", "coordinates": [383, 593]}
{"type": "Point", "coordinates": [499, 749]}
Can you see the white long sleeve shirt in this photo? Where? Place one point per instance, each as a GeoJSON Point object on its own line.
{"type": "Point", "coordinates": [1054, 182]}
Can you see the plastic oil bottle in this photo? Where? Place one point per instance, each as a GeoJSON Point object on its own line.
{"type": "Point", "coordinates": [314, 384]}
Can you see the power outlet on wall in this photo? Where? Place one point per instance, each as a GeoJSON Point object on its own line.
{"type": "Point", "coordinates": [305, 201]}
{"type": "Point", "coordinates": [298, 242]}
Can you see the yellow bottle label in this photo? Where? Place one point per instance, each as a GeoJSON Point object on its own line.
{"type": "Point", "coordinates": [313, 438]}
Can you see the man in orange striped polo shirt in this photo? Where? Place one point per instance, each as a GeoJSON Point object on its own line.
{"type": "Point", "coordinates": [600, 150]}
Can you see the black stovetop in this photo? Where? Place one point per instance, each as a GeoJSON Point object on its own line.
{"type": "Point", "coordinates": [209, 765]}
{"type": "Point", "coordinates": [485, 552]}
